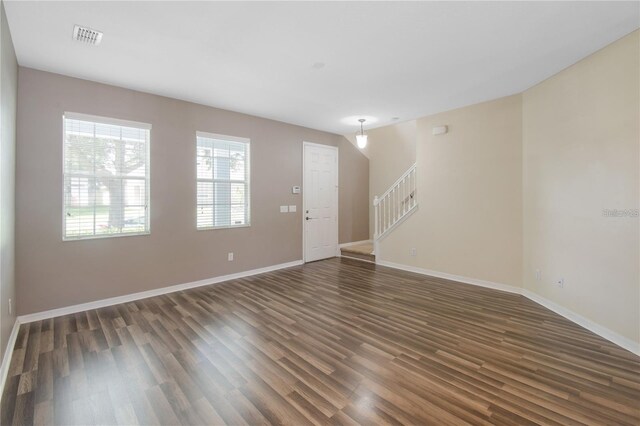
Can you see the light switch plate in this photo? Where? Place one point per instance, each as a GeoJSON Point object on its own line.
{"type": "Point", "coordinates": [292, 209]}
{"type": "Point", "coordinates": [284, 209]}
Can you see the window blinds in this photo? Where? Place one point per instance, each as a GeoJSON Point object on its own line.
{"type": "Point", "coordinates": [106, 177]}
{"type": "Point", "coordinates": [222, 164]}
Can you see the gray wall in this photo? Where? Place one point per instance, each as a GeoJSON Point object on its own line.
{"type": "Point", "coordinates": [53, 274]}
{"type": "Point", "coordinates": [8, 93]}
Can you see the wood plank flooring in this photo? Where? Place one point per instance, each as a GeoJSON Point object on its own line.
{"type": "Point", "coordinates": [331, 342]}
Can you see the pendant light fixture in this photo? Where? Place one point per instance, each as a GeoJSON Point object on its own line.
{"type": "Point", "coordinates": [361, 138]}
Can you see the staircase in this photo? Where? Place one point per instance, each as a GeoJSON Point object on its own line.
{"type": "Point", "coordinates": [395, 205]}
{"type": "Point", "coordinates": [390, 209]}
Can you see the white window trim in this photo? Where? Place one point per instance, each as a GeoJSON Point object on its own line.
{"type": "Point", "coordinates": [117, 122]}
{"type": "Point", "coordinates": [106, 120]}
{"type": "Point", "coordinates": [218, 136]}
{"type": "Point", "coordinates": [224, 138]}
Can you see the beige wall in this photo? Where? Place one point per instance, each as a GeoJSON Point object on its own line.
{"type": "Point", "coordinates": [519, 184]}
{"type": "Point", "coordinates": [391, 151]}
{"type": "Point", "coordinates": [8, 93]}
{"type": "Point", "coordinates": [469, 183]}
{"type": "Point", "coordinates": [581, 155]}
{"type": "Point", "coordinates": [353, 206]}
{"type": "Point", "coordinates": [52, 273]}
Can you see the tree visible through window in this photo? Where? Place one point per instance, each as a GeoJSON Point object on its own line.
{"type": "Point", "coordinates": [222, 164]}
{"type": "Point", "coordinates": [106, 177]}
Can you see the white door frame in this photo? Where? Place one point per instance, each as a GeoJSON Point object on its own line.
{"type": "Point", "coordinates": [305, 144]}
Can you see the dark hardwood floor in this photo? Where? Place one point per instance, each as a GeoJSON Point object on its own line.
{"type": "Point", "coordinates": [331, 342]}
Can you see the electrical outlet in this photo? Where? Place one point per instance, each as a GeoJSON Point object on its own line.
{"type": "Point", "coordinates": [560, 282]}
{"type": "Point", "coordinates": [230, 257]}
{"type": "Point", "coordinates": [413, 252]}
{"type": "Point", "coordinates": [538, 275]}
{"type": "Point", "coordinates": [292, 209]}
{"type": "Point", "coordinates": [284, 209]}
{"type": "Point", "coordinates": [10, 306]}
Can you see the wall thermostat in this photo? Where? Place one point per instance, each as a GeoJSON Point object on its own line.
{"type": "Point", "coordinates": [295, 190]}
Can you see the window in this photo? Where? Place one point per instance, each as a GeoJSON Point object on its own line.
{"type": "Point", "coordinates": [222, 164]}
{"type": "Point", "coordinates": [106, 177]}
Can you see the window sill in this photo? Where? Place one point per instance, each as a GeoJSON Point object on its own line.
{"type": "Point", "coordinates": [101, 237]}
{"type": "Point", "coordinates": [213, 228]}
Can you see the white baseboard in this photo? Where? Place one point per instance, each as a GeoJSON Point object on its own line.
{"type": "Point", "coordinates": [447, 276]}
{"type": "Point", "coordinates": [598, 329]}
{"type": "Point", "coordinates": [355, 243]}
{"type": "Point", "coordinates": [38, 316]}
{"type": "Point", "coordinates": [8, 352]}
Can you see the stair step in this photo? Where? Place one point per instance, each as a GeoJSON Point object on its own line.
{"type": "Point", "coordinates": [362, 251]}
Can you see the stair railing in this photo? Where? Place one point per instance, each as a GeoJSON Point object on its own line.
{"type": "Point", "coordinates": [395, 204]}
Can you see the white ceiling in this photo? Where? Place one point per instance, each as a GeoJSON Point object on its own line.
{"type": "Point", "coordinates": [382, 59]}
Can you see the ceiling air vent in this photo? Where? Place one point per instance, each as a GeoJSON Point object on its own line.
{"type": "Point", "coordinates": [87, 35]}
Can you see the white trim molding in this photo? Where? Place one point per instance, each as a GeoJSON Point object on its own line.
{"type": "Point", "coordinates": [578, 319]}
{"type": "Point", "coordinates": [38, 316]}
{"type": "Point", "coordinates": [106, 120]}
{"type": "Point", "coordinates": [452, 277]}
{"type": "Point", "coordinates": [8, 352]}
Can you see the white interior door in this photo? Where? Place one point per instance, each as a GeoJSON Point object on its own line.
{"type": "Point", "coordinates": [320, 192]}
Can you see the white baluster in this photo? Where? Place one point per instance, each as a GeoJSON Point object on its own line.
{"type": "Point", "coordinates": [392, 204]}
{"type": "Point", "coordinates": [395, 204]}
{"type": "Point", "coordinates": [388, 212]}
{"type": "Point", "coordinates": [376, 225]}
{"type": "Point", "coordinates": [381, 211]}
{"type": "Point", "coordinates": [413, 188]}
{"type": "Point", "coordinates": [410, 188]}
{"type": "Point", "coordinates": [404, 196]}
{"type": "Point", "coordinates": [411, 180]}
